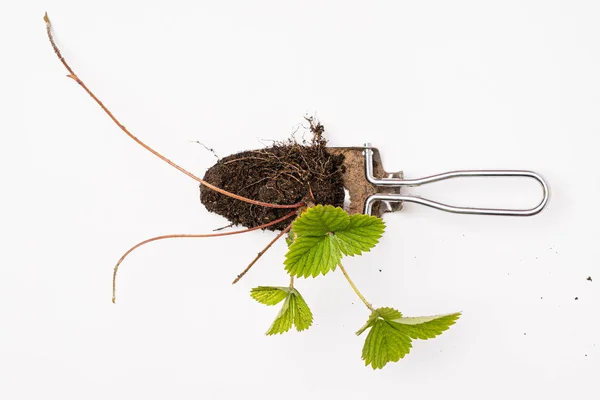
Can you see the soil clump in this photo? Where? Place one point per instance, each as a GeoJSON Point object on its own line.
{"type": "Point", "coordinates": [284, 173]}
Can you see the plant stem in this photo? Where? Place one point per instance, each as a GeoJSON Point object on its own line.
{"type": "Point", "coordinates": [362, 298]}
{"type": "Point", "coordinates": [291, 281]}
{"type": "Point", "coordinates": [74, 76]}
{"type": "Point", "coordinates": [185, 235]}
{"type": "Point", "coordinates": [241, 275]}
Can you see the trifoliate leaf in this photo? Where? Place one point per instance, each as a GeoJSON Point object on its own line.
{"type": "Point", "coordinates": [361, 234]}
{"type": "Point", "coordinates": [425, 327]}
{"type": "Point", "coordinates": [391, 334]}
{"type": "Point", "coordinates": [294, 310]}
{"type": "Point", "coordinates": [269, 295]}
{"type": "Point", "coordinates": [323, 234]}
{"type": "Point", "coordinates": [384, 344]}
{"type": "Point", "coordinates": [320, 220]}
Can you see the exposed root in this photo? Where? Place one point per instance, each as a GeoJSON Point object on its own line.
{"type": "Point", "coordinates": [74, 76]}
{"type": "Point", "coordinates": [210, 149]}
{"type": "Point", "coordinates": [260, 254]}
{"type": "Point", "coordinates": [183, 235]}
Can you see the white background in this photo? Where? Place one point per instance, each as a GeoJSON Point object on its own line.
{"type": "Point", "coordinates": [436, 85]}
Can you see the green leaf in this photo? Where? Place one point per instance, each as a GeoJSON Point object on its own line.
{"type": "Point", "coordinates": [320, 220]}
{"type": "Point", "coordinates": [361, 235]}
{"type": "Point", "coordinates": [285, 318]}
{"type": "Point", "coordinates": [312, 255]}
{"type": "Point", "coordinates": [303, 317]}
{"type": "Point", "coordinates": [381, 313]}
{"type": "Point", "coordinates": [384, 344]}
{"type": "Point", "coordinates": [294, 311]}
{"type": "Point", "coordinates": [323, 234]}
{"type": "Point", "coordinates": [390, 337]}
{"type": "Point", "coordinates": [370, 322]}
{"type": "Point", "coordinates": [289, 239]}
{"type": "Point", "coordinates": [425, 327]}
{"type": "Point", "coordinates": [269, 295]}
{"type": "Point", "coordinates": [388, 313]}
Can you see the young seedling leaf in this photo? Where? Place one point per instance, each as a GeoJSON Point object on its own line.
{"type": "Point", "coordinates": [312, 255]}
{"type": "Point", "coordinates": [384, 344]}
{"type": "Point", "coordinates": [284, 320]}
{"type": "Point", "coordinates": [390, 337]}
{"type": "Point", "coordinates": [388, 313]}
{"type": "Point", "coordinates": [361, 235]}
{"type": "Point", "coordinates": [425, 327]}
{"type": "Point", "coordinates": [294, 310]}
{"type": "Point", "coordinates": [370, 322]}
{"type": "Point", "coordinates": [269, 295]}
{"type": "Point", "coordinates": [323, 234]}
{"type": "Point", "coordinates": [303, 317]}
{"type": "Point", "coordinates": [320, 220]}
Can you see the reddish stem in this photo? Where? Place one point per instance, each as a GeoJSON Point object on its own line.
{"type": "Point", "coordinates": [185, 235]}
{"type": "Point", "coordinates": [74, 76]}
{"type": "Point", "coordinates": [241, 275]}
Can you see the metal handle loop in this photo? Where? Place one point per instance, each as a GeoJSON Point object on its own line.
{"type": "Point", "coordinates": [396, 197]}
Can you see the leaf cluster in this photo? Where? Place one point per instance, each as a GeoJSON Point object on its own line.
{"type": "Point", "coordinates": [390, 336]}
{"type": "Point", "coordinates": [294, 310]}
{"type": "Point", "coordinates": [323, 234]}
{"type": "Point", "coordinates": [318, 240]}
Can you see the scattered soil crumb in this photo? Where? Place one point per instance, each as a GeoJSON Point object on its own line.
{"type": "Point", "coordinates": [576, 298]}
{"type": "Point", "coordinates": [285, 173]}
{"type": "Point", "coordinates": [379, 270]}
{"type": "Point", "coordinates": [589, 278]}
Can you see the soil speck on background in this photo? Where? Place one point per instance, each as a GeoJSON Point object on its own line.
{"type": "Point", "coordinates": [285, 173]}
{"type": "Point", "coordinates": [589, 278]}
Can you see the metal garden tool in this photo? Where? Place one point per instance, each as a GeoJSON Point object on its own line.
{"type": "Point", "coordinates": [374, 191]}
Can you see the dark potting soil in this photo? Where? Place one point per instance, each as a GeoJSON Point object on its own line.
{"type": "Point", "coordinates": [285, 173]}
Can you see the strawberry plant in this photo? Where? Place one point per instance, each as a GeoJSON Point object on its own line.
{"type": "Point", "coordinates": [297, 189]}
